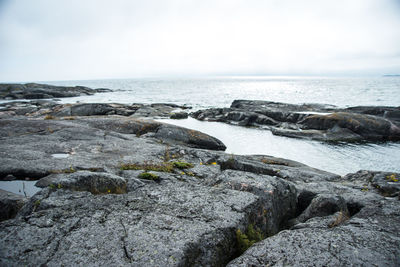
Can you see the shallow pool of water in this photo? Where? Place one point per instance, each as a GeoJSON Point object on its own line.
{"type": "Point", "coordinates": [24, 188]}
{"type": "Point", "coordinates": [340, 159]}
{"type": "Point", "coordinates": [60, 155]}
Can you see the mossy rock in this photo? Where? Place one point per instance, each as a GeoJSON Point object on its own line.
{"type": "Point", "coordinates": [157, 167]}
{"type": "Point", "coordinates": [149, 176]}
{"type": "Point", "coordinates": [246, 240]}
{"type": "Point", "coordinates": [182, 165]}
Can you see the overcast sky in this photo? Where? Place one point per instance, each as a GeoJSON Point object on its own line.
{"type": "Point", "coordinates": [94, 39]}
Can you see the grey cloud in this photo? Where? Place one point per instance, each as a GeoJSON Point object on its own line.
{"type": "Point", "coordinates": [44, 39]}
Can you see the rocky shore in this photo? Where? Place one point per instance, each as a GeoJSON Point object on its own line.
{"type": "Point", "coordinates": [42, 91]}
{"type": "Point", "coordinates": [129, 191]}
{"type": "Point", "coordinates": [311, 121]}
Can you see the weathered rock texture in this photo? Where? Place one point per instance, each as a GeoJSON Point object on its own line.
{"type": "Point", "coordinates": [94, 210]}
{"type": "Point", "coordinates": [311, 121]}
{"type": "Point", "coordinates": [344, 222]}
{"type": "Point", "coordinates": [197, 207]}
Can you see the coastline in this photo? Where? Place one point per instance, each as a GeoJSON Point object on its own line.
{"type": "Point", "coordinates": [197, 205]}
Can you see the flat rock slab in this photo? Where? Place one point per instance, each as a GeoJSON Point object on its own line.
{"type": "Point", "coordinates": [173, 224]}
{"type": "Point", "coordinates": [28, 145]}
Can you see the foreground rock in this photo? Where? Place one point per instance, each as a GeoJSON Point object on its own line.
{"type": "Point", "coordinates": [311, 121]}
{"type": "Point", "coordinates": [371, 238]}
{"type": "Point", "coordinates": [128, 191]}
{"type": "Point", "coordinates": [94, 201]}
{"type": "Point", "coordinates": [42, 91]}
{"type": "Point", "coordinates": [347, 221]}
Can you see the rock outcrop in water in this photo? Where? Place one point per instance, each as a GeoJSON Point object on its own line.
{"type": "Point", "coordinates": [42, 91]}
{"type": "Point", "coordinates": [311, 121]}
{"type": "Point", "coordinates": [130, 191]}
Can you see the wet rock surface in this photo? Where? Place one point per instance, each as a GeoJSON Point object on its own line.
{"type": "Point", "coordinates": [42, 91]}
{"type": "Point", "coordinates": [311, 121]}
{"type": "Point", "coordinates": [130, 191]}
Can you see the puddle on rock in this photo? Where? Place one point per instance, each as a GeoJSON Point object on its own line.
{"type": "Point", "coordinates": [24, 188]}
{"type": "Point", "coordinates": [60, 155]}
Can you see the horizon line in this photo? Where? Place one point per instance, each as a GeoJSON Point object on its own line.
{"type": "Point", "coordinates": [210, 76]}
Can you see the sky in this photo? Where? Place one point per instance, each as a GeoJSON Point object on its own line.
{"type": "Point", "coordinates": [45, 40]}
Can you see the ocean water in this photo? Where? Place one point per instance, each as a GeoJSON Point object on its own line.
{"type": "Point", "coordinates": [340, 158]}
{"type": "Point", "coordinates": [221, 91]}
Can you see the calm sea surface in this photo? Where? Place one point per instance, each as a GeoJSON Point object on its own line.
{"type": "Point", "coordinates": [220, 92]}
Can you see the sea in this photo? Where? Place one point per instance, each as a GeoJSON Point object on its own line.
{"type": "Point", "coordinates": [210, 92]}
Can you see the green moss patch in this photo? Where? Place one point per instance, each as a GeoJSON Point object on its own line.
{"type": "Point", "coordinates": [157, 167]}
{"type": "Point", "coordinates": [161, 167]}
{"type": "Point", "coordinates": [182, 165]}
{"type": "Point", "coordinates": [273, 162]}
{"type": "Point", "coordinates": [246, 240]}
{"type": "Point", "coordinates": [149, 176]}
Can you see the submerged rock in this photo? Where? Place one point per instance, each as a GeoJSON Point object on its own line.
{"type": "Point", "coordinates": [311, 121]}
